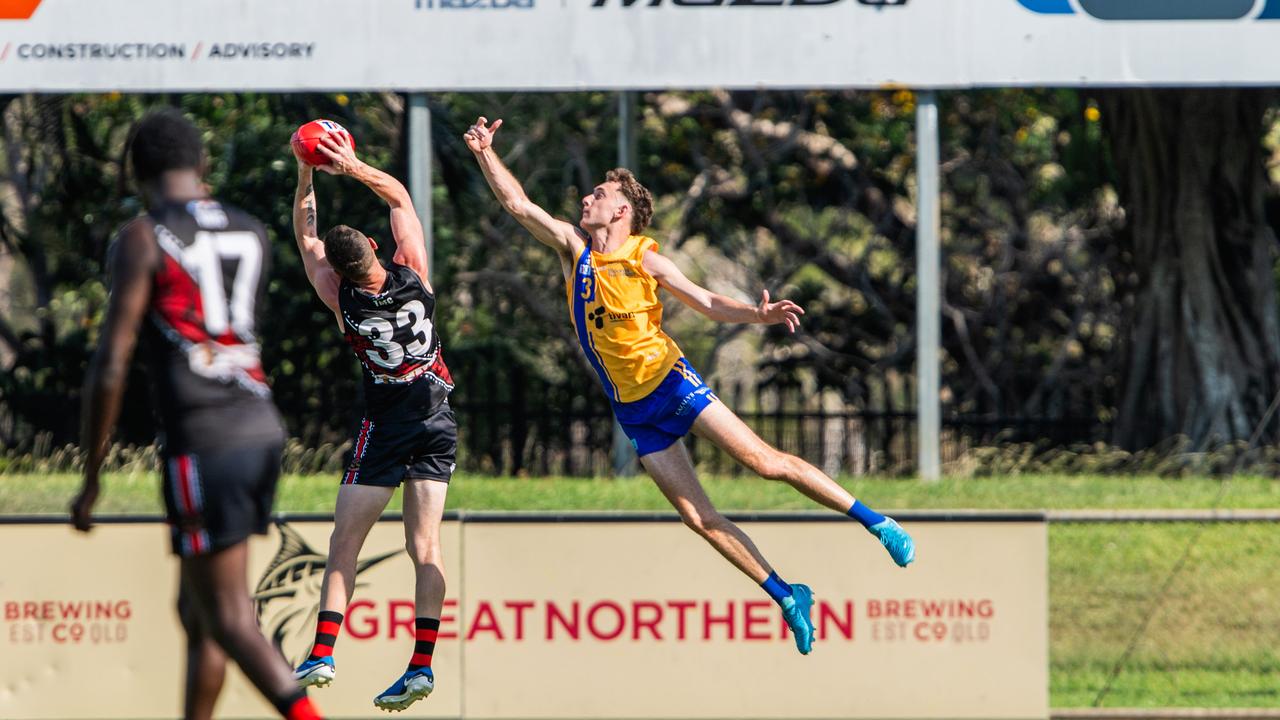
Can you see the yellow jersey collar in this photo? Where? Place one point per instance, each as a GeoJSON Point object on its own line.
{"type": "Point", "coordinates": [627, 249]}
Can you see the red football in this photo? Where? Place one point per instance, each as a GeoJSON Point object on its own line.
{"type": "Point", "coordinates": [306, 140]}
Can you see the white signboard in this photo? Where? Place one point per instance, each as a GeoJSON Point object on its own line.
{"type": "Point", "coordinates": [558, 620]}
{"type": "Point", "coordinates": [161, 45]}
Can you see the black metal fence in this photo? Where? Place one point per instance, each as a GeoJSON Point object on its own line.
{"type": "Point", "coordinates": [512, 424]}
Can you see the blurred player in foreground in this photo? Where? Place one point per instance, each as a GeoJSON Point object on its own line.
{"type": "Point", "coordinates": [188, 276]}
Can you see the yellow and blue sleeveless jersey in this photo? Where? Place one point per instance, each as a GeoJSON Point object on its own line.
{"type": "Point", "coordinates": [618, 318]}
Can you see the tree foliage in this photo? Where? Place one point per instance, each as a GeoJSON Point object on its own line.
{"type": "Point", "coordinates": [808, 194]}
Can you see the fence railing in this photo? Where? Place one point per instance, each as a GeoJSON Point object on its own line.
{"type": "Point", "coordinates": [517, 427]}
{"type": "Point", "coordinates": [513, 422]}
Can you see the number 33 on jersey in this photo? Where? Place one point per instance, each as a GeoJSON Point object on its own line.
{"type": "Point", "coordinates": [396, 343]}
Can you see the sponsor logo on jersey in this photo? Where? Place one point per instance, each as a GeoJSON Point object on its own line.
{"type": "Point", "coordinates": [208, 214]}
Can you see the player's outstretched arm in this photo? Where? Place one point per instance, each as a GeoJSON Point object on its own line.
{"type": "Point", "coordinates": [559, 235]}
{"type": "Point", "coordinates": [322, 277]}
{"type": "Point", "coordinates": [406, 228]}
{"type": "Point", "coordinates": [718, 307]}
{"type": "Point", "coordinates": [133, 260]}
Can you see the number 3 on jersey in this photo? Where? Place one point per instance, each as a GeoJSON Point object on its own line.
{"type": "Point", "coordinates": [386, 351]}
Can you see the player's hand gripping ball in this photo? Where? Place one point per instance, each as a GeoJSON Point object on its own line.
{"type": "Point", "coordinates": [306, 140]}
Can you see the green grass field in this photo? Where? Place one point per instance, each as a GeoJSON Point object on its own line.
{"type": "Point", "coordinates": [136, 493]}
{"type": "Point", "coordinates": [1215, 641]}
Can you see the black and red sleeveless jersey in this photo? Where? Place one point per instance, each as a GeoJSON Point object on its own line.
{"type": "Point", "coordinates": [393, 336]}
{"type": "Point", "coordinates": [208, 385]}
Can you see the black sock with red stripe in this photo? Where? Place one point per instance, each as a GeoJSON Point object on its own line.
{"type": "Point", "coordinates": [327, 628]}
{"type": "Point", "coordinates": [424, 632]}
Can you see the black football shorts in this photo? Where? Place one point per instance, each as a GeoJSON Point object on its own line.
{"type": "Point", "coordinates": [387, 453]}
{"type": "Point", "coordinates": [214, 499]}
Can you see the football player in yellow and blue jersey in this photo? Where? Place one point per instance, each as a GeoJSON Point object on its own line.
{"type": "Point", "coordinates": [612, 273]}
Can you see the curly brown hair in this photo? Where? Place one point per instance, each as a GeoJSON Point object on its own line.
{"type": "Point", "coordinates": [637, 195]}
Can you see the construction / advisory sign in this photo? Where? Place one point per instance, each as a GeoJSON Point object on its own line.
{"type": "Point", "coordinates": [424, 45]}
{"type": "Point", "coordinates": [576, 619]}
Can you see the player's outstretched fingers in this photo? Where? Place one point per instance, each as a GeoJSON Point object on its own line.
{"type": "Point", "coordinates": [341, 157]}
{"type": "Point", "coordinates": [326, 148]}
{"type": "Point", "coordinates": [792, 308]}
{"type": "Point", "coordinates": [332, 143]}
{"type": "Point", "coordinates": [328, 168]}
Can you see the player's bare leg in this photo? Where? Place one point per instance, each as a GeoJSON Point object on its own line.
{"type": "Point", "coordinates": [721, 426]}
{"type": "Point", "coordinates": [358, 508]}
{"type": "Point", "coordinates": [219, 594]}
{"type": "Point", "coordinates": [672, 471]}
{"type": "Point", "coordinates": [206, 663]}
{"type": "Point", "coordinates": [423, 511]}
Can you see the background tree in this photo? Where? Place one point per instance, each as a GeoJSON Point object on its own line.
{"type": "Point", "coordinates": [1202, 350]}
{"type": "Point", "coordinates": [1055, 289]}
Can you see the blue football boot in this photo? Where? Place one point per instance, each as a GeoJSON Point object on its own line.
{"type": "Point", "coordinates": [795, 610]}
{"type": "Point", "coordinates": [410, 688]}
{"type": "Point", "coordinates": [318, 673]}
{"type": "Point", "coordinates": [896, 540]}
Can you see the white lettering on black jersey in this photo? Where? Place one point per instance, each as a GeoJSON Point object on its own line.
{"type": "Point", "coordinates": [394, 338]}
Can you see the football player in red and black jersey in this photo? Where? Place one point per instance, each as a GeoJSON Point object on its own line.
{"type": "Point", "coordinates": [408, 434]}
{"type": "Point", "coordinates": [187, 277]}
